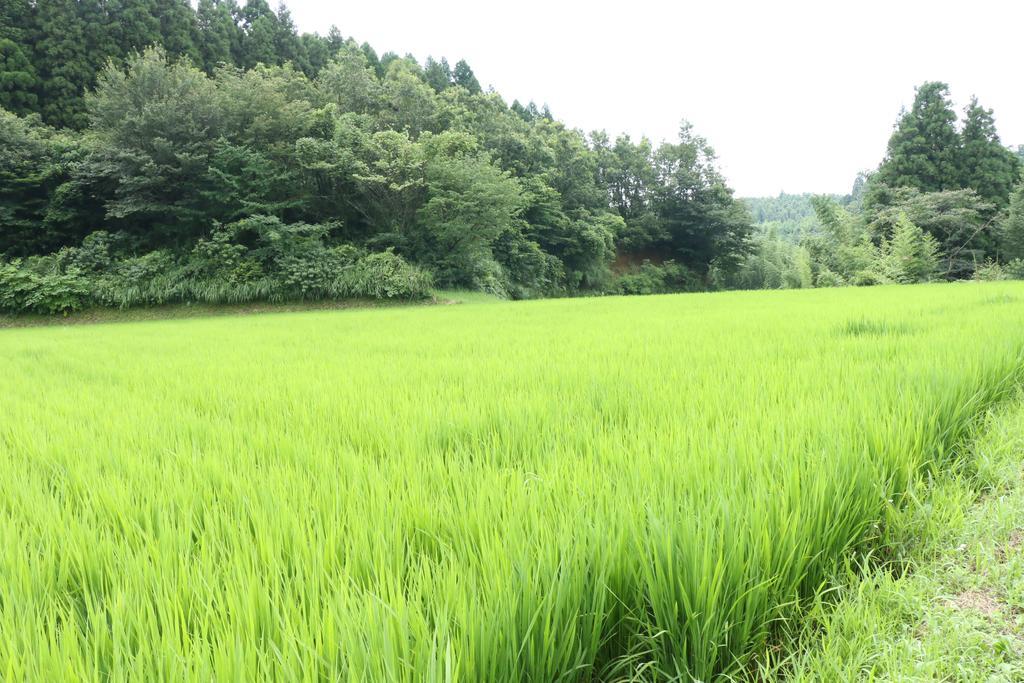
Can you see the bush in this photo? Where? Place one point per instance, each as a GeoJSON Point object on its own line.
{"type": "Point", "coordinates": [384, 275]}
{"type": "Point", "coordinates": [24, 290]}
{"type": "Point", "coordinates": [649, 278]}
{"type": "Point", "coordinates": [258, 259]}
{"type": "Point", "coordinates": [827, 278]}
{"type": "Point", "coordinates": [869, 278]}
{"type": "Point", "coordinates": [990, 271]}
{"type": "Point", "coordinates": [1015, 269]}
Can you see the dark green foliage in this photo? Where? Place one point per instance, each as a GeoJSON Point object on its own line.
{"type": "Point", "coordinates": [705, 224]}
{"type": "Point", "coordinates": [260, 34]}
{"type": "Point", "coordinates": [287, 44]}
{"type": "Point", "coordinates": [959, 220]}
{"type": "Point", "coordinates": [61, 63]}
{"type": "Point", "coordinates": [986, 166]}
{"type": "Point", "coordinates": [219, 38]}
{"type": "Point", "coordinates": [438, 75]}
{"type": "Point", "coordinates": [133, 25]}
{"type": "Point", "coordinates": [650, 278]}
{"type": "Point", "coordinates": [923, 151]}
{"type": "Point", "coordinates": [237, 119]}
{"type": "Point", "coordinates": [154, 137]}
{"type": "Point", "coordinates": [256, 259]}
{"type": "Point", "coordinates": [34, 287]}
{"type": "Point", "coordinates": [18, 79]}
{"type": "Point", "coordinates": [34, 162]}
{"type": "Point", "coordinates": [100, 44]}
{"type": "Point", "coordinates": [463, 76]}
{"type": "Point", "coordinates": [1012, 228]}
{"type": "Point", "coordinates": [179, 29]}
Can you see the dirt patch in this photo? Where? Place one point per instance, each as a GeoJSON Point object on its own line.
{"type": "Point", "coordinates": [978, 601]}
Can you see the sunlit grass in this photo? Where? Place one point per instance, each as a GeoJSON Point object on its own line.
{"type": "Point", "coordinates": [550, 490]}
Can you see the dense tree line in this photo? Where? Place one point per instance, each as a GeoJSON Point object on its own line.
{"type": "Point", "coordinates": [171, 131]}
{"type": "Point", "coordinates": [153, 151]}
{"type": "Point", "coordinates": [946, 202]}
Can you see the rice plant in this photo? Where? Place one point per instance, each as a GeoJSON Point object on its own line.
{"type": "Point", "coordinates": [559, 490]}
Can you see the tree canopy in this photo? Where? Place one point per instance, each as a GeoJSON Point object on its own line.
{"type": "Point", "coordinates": [231, 115]}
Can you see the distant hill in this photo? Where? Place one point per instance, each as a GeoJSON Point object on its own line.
{"type": "Point", "coordinates": [789, 215]}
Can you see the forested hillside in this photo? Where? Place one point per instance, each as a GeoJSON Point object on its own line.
{"type": "Point", "coordinates": [790, 216]}
{"type": "Point", "coordinates": [153, 152]}
{"type": "Point", "coordinates": [240, 160]}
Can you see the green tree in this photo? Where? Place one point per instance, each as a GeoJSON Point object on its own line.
{"type": "Point", "coordinates": [843, 252]}
{"type": "Point", "coordinates": [437, 74]}
{"type": "Point", "coordinates": [288, 45]}
{"type": "Point", "coordinates": [133, 25]}
{"type": "Point", "coordinates": [18, 80]}
{"type": "Point", "coordinates": [61, 63]}
{"type": "Point", "coordinates": [219, 37]}
{"type": "Point", "coordinates": [260, 34]}
{"type": "Point", "coordinates": [705, 224]}
{"type": "Point", "coordinates": [1012, 229]}
{"type": "Point", "coordinates": [627, 170]}
{"type": "Point", "coordinates": [33, 164]}
{"type": "Point", "coordinates": [154, 132]}
{"type": "Point", "coordinates": [412, 104]}
{"type": "Point", "coordinates": [178, 29]}
{"type": "Point", "coordinates": [372, 59]}
{"type": "Point", "coordinates": [463, 75]}
{"type": "Point", "coordinates": [350, 82]}
{"type": "Point", "coordinates": [100, 43]}
{"type": "Point", "coordinates": [469, 204]}
{"type": "Point", "coordinates": [318, 52]}
{"type": "Point", "coordinates": [924, 149]}
{"type": "Point", "coordinates": [910, 255]}
{"type": "Point", "coordinates": [960, 220]}
{"type": "Point", "coordinates": [986, 166]}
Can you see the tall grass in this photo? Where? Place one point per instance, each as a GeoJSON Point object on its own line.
{"type": "Point", "coordinates": [571, 490]}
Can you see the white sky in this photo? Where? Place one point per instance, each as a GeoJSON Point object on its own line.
{"type": "Point", "coordinates": [794, 95]}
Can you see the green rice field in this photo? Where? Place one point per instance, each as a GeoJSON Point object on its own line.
{"type": "Point", "coordinates": [563, 490]}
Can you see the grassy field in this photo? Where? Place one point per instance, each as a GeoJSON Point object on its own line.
{"type": "Point", "coordinates": [953, 608]}
{"type": "Point", "coordinates": [556, 490]}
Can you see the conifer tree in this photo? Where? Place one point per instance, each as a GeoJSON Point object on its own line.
{"type": "Point", "coordinates": [986, 166]}
{"type": "Point", "coordinates": [464, 76]}
{"type": "Point", "coordinates": [133, 25]}
{"type": "Point", "coordinates": [437, 74]}
{"type": "Point", "coordinates": [219, 37]}
{"type": "Point", "coordinates": [911, 255]}
{"type": "Point", "coordinates": [259, 42]}
{"type": "Point", "coordinates": [287, 45]}
{"type": "Point", "coordinates": [923, 150]}
{"type": "Point", "coordinates": [18, 80]}
{"type": "Point", "coordinates": [178, 29]}
{"type": "Point", "coordinates": [61, 63]}
{"type": "Point", "coordinates": [100, 44]}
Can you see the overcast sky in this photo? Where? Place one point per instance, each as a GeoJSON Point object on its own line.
{"type": "Point", "coordinates": [794, 95]}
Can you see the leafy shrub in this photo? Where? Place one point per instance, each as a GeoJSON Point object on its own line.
{"type": "Point", "coordinates": [869, 278]}
{"type": "Point", "coordinates": [827, 278]}
{"type": "Point", "coordinates": [258, 259]}
{"type": "Point", "coordinates": [1015, 269]}
{"type": "Point", "coordinates": [649, 278]}
{"type": "Point", "coordinates": [383, 275]}
{"type": "Point", "coordinates": [990, 271]}
{"type": "Point", "coordinates": [23, 290]}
